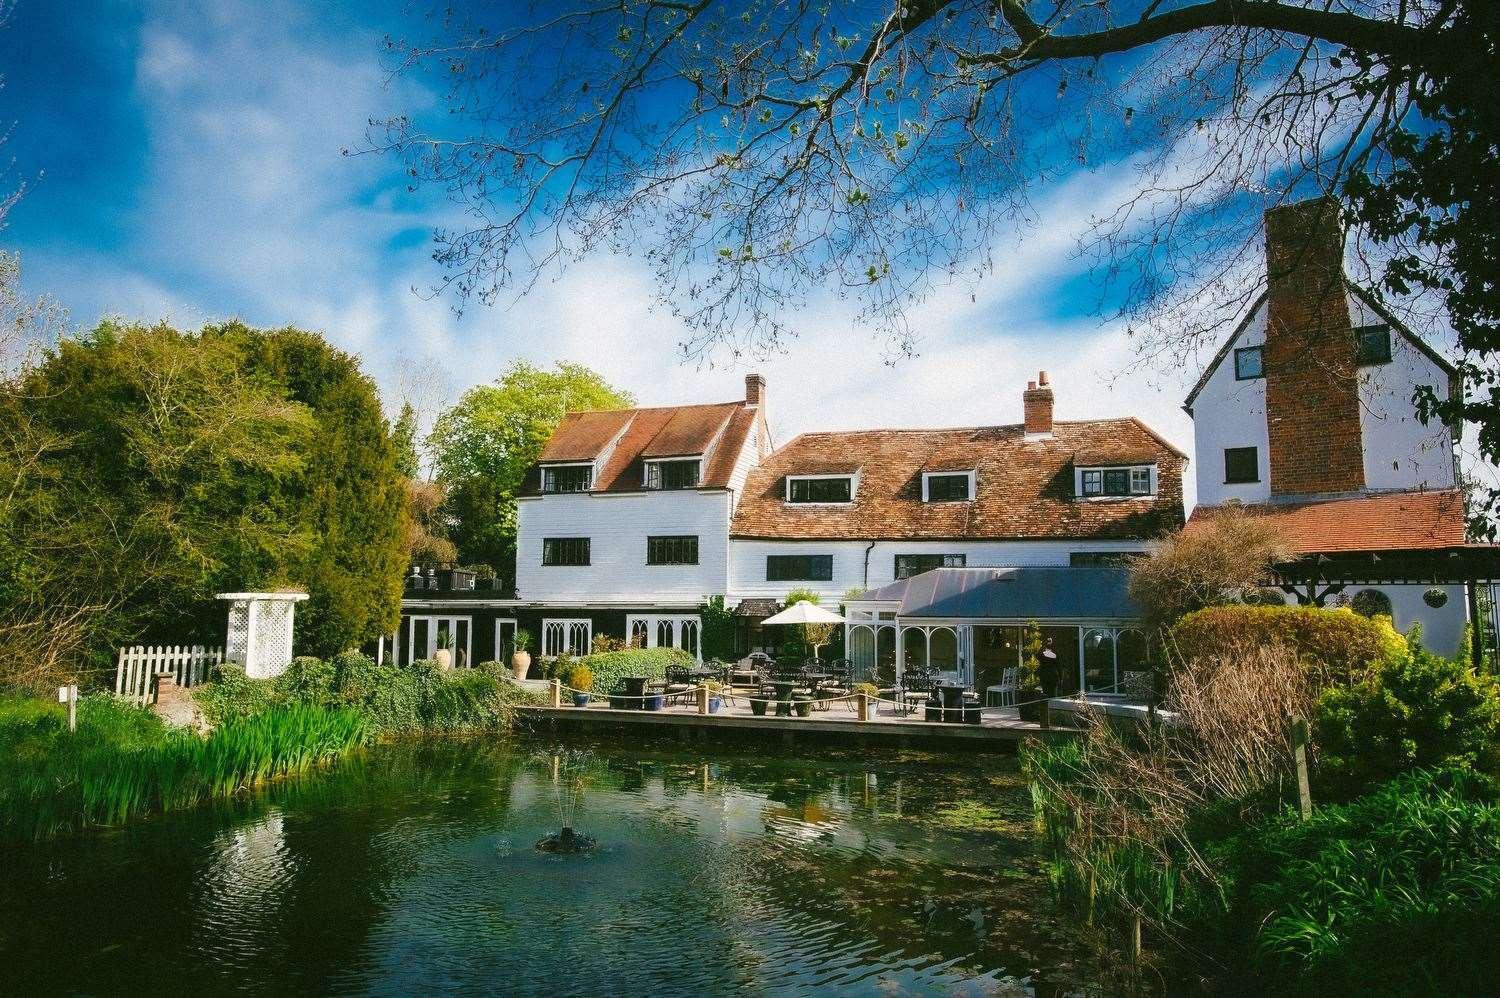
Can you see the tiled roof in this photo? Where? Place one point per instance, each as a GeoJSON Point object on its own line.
{"type": "Point", "coordinates": [1024, 489]}
{"type": "Point", "coordinates": [717, 431]}
{"type": "Point", "coordinates": [1398, 521]}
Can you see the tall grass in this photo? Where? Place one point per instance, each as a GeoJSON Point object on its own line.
{"type": "Point", "coordinates": [122, 763]}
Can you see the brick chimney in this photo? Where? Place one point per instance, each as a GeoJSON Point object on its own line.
{"type": "Point", "coordinates": [1036, 403]}
{"type": "Point", "coordinates": [1312, 379]}
{"type": "Point", "coordinates": [755, 389]}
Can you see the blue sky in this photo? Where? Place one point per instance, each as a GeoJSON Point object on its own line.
{"type": "Point", "coordinates": [187, 165]}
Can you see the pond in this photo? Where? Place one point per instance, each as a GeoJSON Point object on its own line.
{"type": "Point", "coordinates": [413, 867]}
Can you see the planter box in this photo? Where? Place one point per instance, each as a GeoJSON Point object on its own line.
{"type": "Point", "coordinates": [622, 703]}
{"type": "Point", "coordinates": [656, 702]}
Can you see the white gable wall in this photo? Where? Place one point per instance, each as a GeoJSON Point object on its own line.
{"type": "Point", "coordinates": [1232, 413]}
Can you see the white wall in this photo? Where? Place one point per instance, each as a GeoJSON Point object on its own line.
{"type": "Point", "coordinates": [747, 561]}
{"type": "Point", "coordinates": [1400, 452]}
{"type": "Point", "coordinates": [617, 526]}
{"type": "Point", "coordinates": [1231, 413]}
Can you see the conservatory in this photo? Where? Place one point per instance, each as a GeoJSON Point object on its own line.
{"type": "Point", "coordinates": [971, 622]}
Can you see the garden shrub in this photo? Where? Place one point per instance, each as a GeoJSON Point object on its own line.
{"type": "Point", "coordinates": [1339, 644]}
{"type": "Point", "coordinates": [307, 679]}
{"type": "Point", "coordinates": [1397, 892]}
{"type": "Point", "coordinates": [1371, 603]}
{"type": "Point", "coordinates": [609, 668]}
{"type": "Point", "coordinates": [233, 696]}
{"type": "Point", "coordinates": [1415, 709]}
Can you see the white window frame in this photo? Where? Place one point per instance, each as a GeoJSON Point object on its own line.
{"type": "Point", "coordinates": [565, 628]}
{"type": "Point", "coordinates": [432, 620]}
{"type": "Point", "coordinates": [500, 622]}
{"type": "Point", "coordinates": [786, 495]}
{"type": "Point", "coordinates": [654, 465]}
{"type": "Point", "coordinates": [676, 626]}
{"type": "Point", "coordinates": [567, 464]}
{"type": "Point", "coordinates": [948, 474]}
{"type": "Point", "coordinates": [1130, 472]}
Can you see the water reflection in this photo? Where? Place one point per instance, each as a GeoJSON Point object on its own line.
{"type": "Point", "coordinates": [413, 869]}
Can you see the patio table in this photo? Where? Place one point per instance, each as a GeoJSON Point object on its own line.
{"type": "Point", "coordinates": [816, 679]}
{"type": "Point", "coordinates": [783, 688]}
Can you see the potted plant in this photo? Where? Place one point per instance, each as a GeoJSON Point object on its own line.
{"type": "Point", "coordinates": [521, 660]}
{"type": "Point", "coordinates": [655, 700]}
{"type": "Point", "coordinates": [715, 695]}
{"type": "Point", "coordinates": [581, 679]}
{"type": "Point", "coordinates": [802, 703]}
{"type": "Point", "coordinates": [759, 703]}
{"type": "Point", "coordinates": [1029, 675]}
{"type": "Point", "coordinates": [444, 654]}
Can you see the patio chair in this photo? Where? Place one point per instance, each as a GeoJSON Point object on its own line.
{"type": "Point", "coordinates": [918, 682]}
{"type": "Point", "coordinates": [678, 685]}
{"type": "Point", "coordinates": [1003, 693]}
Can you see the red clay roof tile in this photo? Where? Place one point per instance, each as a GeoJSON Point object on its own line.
{"type": "Point", "coordinates": [1400, 521]}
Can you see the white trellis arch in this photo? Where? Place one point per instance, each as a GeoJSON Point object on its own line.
{"type": "Point", "coordinates": [259, 636]}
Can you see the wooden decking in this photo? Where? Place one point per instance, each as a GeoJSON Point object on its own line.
{"type": "Point", "coordinates": [999, 728]}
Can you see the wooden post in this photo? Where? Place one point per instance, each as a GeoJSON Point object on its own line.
{"type": "Point", "coordinates": [1135, 938]}
{"type": "Point", "coordinates": [1299, 754]}
{"type": "Point", "coordinates": [69, 695]}
{"type": "Point", "coordinates": [703, 699]}
{"type": "Point", "coordinates": [864, 705]}
{"type": "Point", "coordinates": [1046, 713]}
{"type": "Point", "coordinates": [557, 693]}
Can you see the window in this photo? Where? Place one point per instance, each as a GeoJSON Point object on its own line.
{"type": "Point", "coordinates": [1248, 364]}
{"type": "Point", "coordinates": [908, 565]}
{"type": "Point", "coordinates": [948, 487]}
{"type": "Point", "coordinates": [1116, 481]}
{"type": "Point", "coordinates": [1372, 344]}
{"type": "Point", "coordinates": [672, 550]}
{"type": "Point", "coordinates": [567, 637]}
{"type": "Point", "coordinates": [1103, 559]}
{"type": "Point", "coordinates": [799, 568]}
{"type": "Point", "coordinates": [839, 489]}
{"type": "Point", "coordinates": [565, 551]}
{"type": "Point", "coordinates": [1241, 464]}
{"type": "Point", "coordinates": [568, 478]}
{"type": "Point", "coordinates": [672, 474]}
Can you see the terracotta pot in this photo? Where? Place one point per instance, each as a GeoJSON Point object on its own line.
{"type": "Point", "coordinates": [519, 663]}
{"type": "Point", "coordinates": [444, 658]}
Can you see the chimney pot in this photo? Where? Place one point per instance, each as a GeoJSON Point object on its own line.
{"type": "Point", "coordinates": [1036, 404]}
{"type": "Point", "coordinates": [1042, 379]}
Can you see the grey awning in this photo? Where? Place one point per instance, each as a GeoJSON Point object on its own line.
{"type": "Point", "coordinates": [1014, 594]}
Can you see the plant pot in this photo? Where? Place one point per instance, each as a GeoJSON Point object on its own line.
{"type": "Point", "coordinates": [758, 707]}
{"type": "Point", "coordinates": [621, 703]}
{"type": "Point", "coordinates": [714, 704]}
{"type": "Point", "coordinates": [580, 699]}
{"type": "Point", "coordinates": [802, 707]}
{"type": "Point", "coordinates": [444, 658]}
{"type": "Point", "coordinates": [519, 663]}
{"type": "Point", "coordinates": [1031, 705]}
{"type": "Point", "coordinates": [655, 702]}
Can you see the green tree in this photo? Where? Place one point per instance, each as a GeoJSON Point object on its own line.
{"type": "Point", "coordinates": [485, 444]}
{"type": "Point", "coordinates": [404, 439]}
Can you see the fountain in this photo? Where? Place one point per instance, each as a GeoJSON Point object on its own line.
{"type": "Point", "coordinates": [571, 770]}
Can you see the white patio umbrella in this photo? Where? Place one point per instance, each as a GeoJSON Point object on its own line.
{"type": "Point", "coordinates": [804, 613]}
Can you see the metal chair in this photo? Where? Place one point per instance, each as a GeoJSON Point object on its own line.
{"type": "Point", "coordinates": [914, 681]}
{"type": "Point", "coordinates": [1003, 693]}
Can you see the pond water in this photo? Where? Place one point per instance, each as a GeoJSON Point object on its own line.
{"type": "Point", "coordinates": [413, 868]}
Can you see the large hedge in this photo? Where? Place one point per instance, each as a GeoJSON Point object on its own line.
{"type": "Point", "coordinates": [1340, 643]}
{"type": "Point", "coordinates": [609, 667]}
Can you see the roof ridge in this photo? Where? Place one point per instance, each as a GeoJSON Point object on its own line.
{"type": "Point", "coordinates": [970, 429]}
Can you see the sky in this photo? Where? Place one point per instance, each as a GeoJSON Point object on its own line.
{"type": "Point", "coordinates": [185, 162]}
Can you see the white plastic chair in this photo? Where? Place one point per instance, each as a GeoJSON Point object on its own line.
{"type": "Point", "coordinates": [1003, 693]}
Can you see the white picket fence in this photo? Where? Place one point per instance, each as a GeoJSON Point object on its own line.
{"type": "Point", "coordinates": [137, 665]}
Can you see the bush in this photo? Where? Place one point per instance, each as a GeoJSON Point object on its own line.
{"type": "Point", "coordinates": [608, 669]}
{"type": "Point", "coordinates": [1416, 709]}
{"type": "Point", "coordinates": [1395, 893]}
{"type": "Point", "coordinates": [1339, 644]}
{"type": "Point", "coordinates": [1221, 558]}
{"type": "Point", "coordinates": [579, 677]}
{"type": "Point", "coordinates": [308, 679]}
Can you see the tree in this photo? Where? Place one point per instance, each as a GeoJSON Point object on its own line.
{"type": "Point", "coordinates": [814, 635]}
{"type": "Point", "coordinates": [484, 445]}
{"type": "Point", "coordinates": [759, 152]}
{"type": "Point", "coordinates": [1226, 558]}
{"type": "Point", "coordinates": [404, 439]}
{"type": "Point", "coordinates": [427, 543]}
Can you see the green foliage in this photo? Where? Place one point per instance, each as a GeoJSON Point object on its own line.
{"type": "Point", "coordinates": [1029, 674]}
{"type": "Point", "coordinates": [523, 639]}
{"type": "Point", "coordinates": [579, 677]}
{"type": "Point", "coordinates": [1416, 709]}
{"type": "Point", "coordinates": [717, 628]}
{"type": "Point", "coordinates": [484, 446]}
{"type": "Point", "coordinates": [1395, 893]}
{"type": "Point", "coordinates": [239, 459]}
{"type": "Point", "coordinates": [652, 663]}
{"type": "Point", "coordinates": [803, 596]}
{"type": "Point", "coordinates": [120, 765]}
{"type": "Point", "coordinates": [392, 700]}
{"type": "Point", "coordinates": [404, 441]}
{"type": "Point", "coordinates": [1340, 644]}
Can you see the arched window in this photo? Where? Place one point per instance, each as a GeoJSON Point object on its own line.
{"type": "Point", "coordinates": [690, 637]}
{"type": "Point", "coordinates": [942, 646]}
{"type": "Point", "coordinates": [862, 649]}
{"type": "Point", "coordinates": [914, 648]}
{"type": "Point", "coordinates": [664, 634]}
{"type": "Point", "coordinates": [1099, 661]}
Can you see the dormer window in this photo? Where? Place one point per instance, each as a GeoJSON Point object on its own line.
{"type": "Point", "coordinates": [820, 489]}
{"type": "Point", "coordinates": [675, 474]}
{"type": "Point", "coordinates": [567, 477]}
{"type": "Point", "coordinates": [1099, 483]}
{"type": "Point", "coordinates": [948, 486]}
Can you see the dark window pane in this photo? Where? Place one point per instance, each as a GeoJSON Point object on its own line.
{"type": "Point", "coordinates": [799, 568]}
{"type": "Point", "coordinates": [1241, 465]}
{"type": "Point", "coordinates": [908, 565]}
{"type": "Point", "coordinates": [821, 489]}
{"type": "Point", "coordinates": [1097, 559]}
{"type": "Point", "coordinates": [565, 551]}
{"type": "Point", "coordinates": [672, 550]}
{"type": "Point", "coordinates": [1373, 344]}
{"type": "Point", "coordinates": [1248, 363]}
{"type": "Point", "coordinates": [1117, 482]}
{"type": "Point", "coordinates": [576, 478]}
{"type": "Point", "coordinates": [672, 474]}
{"type": "Point", "coordinates": [948, 488]}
